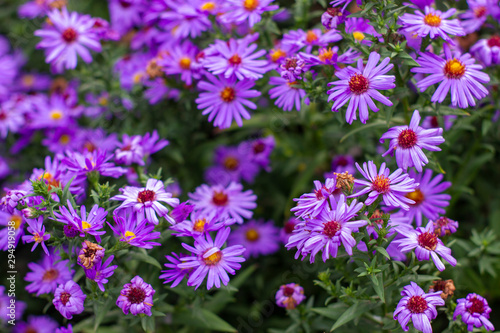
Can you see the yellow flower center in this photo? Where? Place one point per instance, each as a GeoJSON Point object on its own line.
{"type": "Point", "coordinates": [454, 69]}
{"type": "Point", "coordinates": [311, 37]}
{"type": "Point", "coordinates": [56, 114]}
{"type": "Point", "coordinates": [325, 54]}
{"type": "Point", "coordinates": [64, 139]}
{"type": "Point", "coordinates": [209, 6]}
{"type": "Point", "coordinates": [138, 77]}
{"type": "Point", "coordinates": [37, 238]}
{"type": "Point", "coordinates": [103, 101]}
{"type": "Point", "coordinates": [277, 54]}
{"type": "Point", "coordinates": [129, 234]}
{"type": "Point", "coordinates": [416, 196]}
{"type": "Point", "coordinates": [359, 36]}
{"type": "Point", "coordinates": [28, 80]}
{"type": "Point", "coordinates": [199, 225]}
{"type": "Point", "coordinates": [250, 4]}
{"type": "Point", "coordinates": [185, 63]}
{"type": "Point", "coordinates": [432, 20]}
{"type": "Point", "coordinates": [227, 94]}
{"type": "Point", "coordinates": [252, 235]}
{"type": "Point", "coordinates": [213, 259]}
{"type": "Point", "coordinates": [85, 225]}
{"type": "Point", "coordinates": [17, 221]}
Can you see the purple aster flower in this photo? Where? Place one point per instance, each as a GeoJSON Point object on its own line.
{"type": "Point", "coordinates": [428, 197]}
{"type": "Point", "coordinates": [134, 231]}
{"type": "Point", "coordinates": [330, 56]}
{"type": "Point", "coordinates": [184, 19]}
{"type": "Point", "coordinates": [288, 229]}
{"type": "Point", "coordinates": [259, 238]}
{"type": "Point", "coordinates": [475, 311]}
{"type": "Point", "coordinates": [421, 4]}
{"type": "Point", "coordinates": [457, 73]}
{"type": "Point", "coordinates": [408, 142]}
{"type": "Point", "coordinates": [81, 164]}
{"type": "Point", "coordinates": [4, 169]}
{"type": "Point", "coordinates": [53, 112]}
{"type": "Point", "coordinates": [14, 220]}
{"type": "Point", "coordinates": [85, 224]}
{"type": "Point", "coordinates": [199, 225]}
{"type": "Point", "coordinates": [312, 204]}
{"type": "Point", "coordinates": [158, 90]}
{"type": "Point", "coordinates": [291, 69]}
{"type": "Point", "coordinates": [97, 138]}
{"type": "Point", "coordinates": [12, 198]}
{"type": "Point", "coordinates": [333, 17]}
{"type": "Point", "coordinates": [90, 254]}
{"type": "Point", "coordinates": [182, 211]}
{"type": "Point", "coordinates": [68, 299]}
{"type": "Point", "coordinates": [136, 297]}
{"type": "Point", "coordinates": [359, 28]}
{"type": "Point", "coordinates": [46, 275]}
{"type": "Point", "coordinates": [417, 306]}
{"type": "Point", "coordinates": [478, 12]}
{"type": "Point", "coordinates": [433, 122]}
{"type": "Point", "coordinates": [240, 11]}
{"type": "Point", "coordinates": [343, 163]}
{"type": "Point", "coordinates": [11, 120]}
{"type": "Point", "coordinates": [359, 86]}
{"type": "Point", "coordinates": [330, 229]}
{"type": "Point", "coordinates": [61, 139]}
{"type": "Point", "coordinates": [228, 201]}
{"type": "Point", "coordinates": [38, 324]}
{"type": "Point", "coordinates": [35, 8]}
{"type": "Point", "coordinates": [146, 200]}
{"type": "Point", "coordinates": [392, 187]}
{"type": "Point", "coordinates": [31, 82]}
{"type": "Point", "coordinates": [181, 59]}
{"type": "Point", "coordinates": [487, 50]}
{"type": "Point", "coordinates": [62, 329]}
{"type": "Point", "coordinates": [236, 58]}
{"type": "Point", "coordinates": [101, 271]}
{"type": "Point", "coordinates": [225, 100]}
{"type": "Point", "coordinates": [434, 23]}
{"type": "Point", "coordinates": [173, 272]}
{"type": "Point", "coordinates": [280, 52]}
{"type": "Point", "coordinates": [130, 150]}
{"type": "Point", "coordinates": [288, 94]}
{"type": "Point", "coordinates": [125, 14]}
{"type": "Point", "coordinates": [68, 35]}
{"type": "Point", "coordinates": [259, 150]}
{"type": "Point", "coordinates": [208, 258]}
{"type": "Point", "coordinates": [38, 235]}
{"type": "Point", "coordinates": [290, 295]}
{"type": "Point", "coordinates": [308, 39]}
{"type": "Point", "coordinates": [231, 165]}
{"type": "Point", "coordinates": [444, 226]}
{"type": "Point", "coordinates": [426, 244]}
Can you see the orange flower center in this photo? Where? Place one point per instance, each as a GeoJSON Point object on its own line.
{"type": "Point", "coordinates": [311, 37]}
{"type": "Point", "coordinates": [454, 69]}
{"type": "Point", "coordinates": [235, 60]}
{"type": "Point", "coordinates": [277, 54]}
{"type": "Point", "coordinates": [252, 235]}
{"type": "Point", "coordinates": [432, 20]}
{"type": "Point", "coordinates": [199, 225]}
{"type": "Point", "coordinates": [185, 63]}
{"type": "Point", "coordinates": [231, 163]}
{"type": "Point", "coordinates": [416, 196]}
{"type": "Point", "coordinates": [381, 184]}
{"type": "Point", "coordinates": [325, 54]}
{"type": "Point", "coordinates": [250, 5]}
{"type": "Point", "coordinates": [227, 94]}
{"type": "Point", "coordinates": [213, 259]}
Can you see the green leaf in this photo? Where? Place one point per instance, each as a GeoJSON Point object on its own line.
{"type": "Point", "coordinates": [332, 311]}
{"type": "Point", "coordinates": [144, 257]}
{"type": "Point", "coordinates": [408, 60]}
{"type": "Point", "coordinates": [204, 319]}
{"type": "Point", "coordinates": [355, 311]}
{"type": "Point", "coordinates": [383, 252]}
{"type": "Point", "coordinates": [378, 285]}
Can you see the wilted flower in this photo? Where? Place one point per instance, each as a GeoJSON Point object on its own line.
{"type": "Point", "coordinates": [290, 295]}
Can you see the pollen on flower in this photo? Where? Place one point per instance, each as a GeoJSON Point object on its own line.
{"type": "Point", "coordinates": [69, 35]}
{"type": "Point", "coordinates": [231, 163]}
{"type": "Point", "coordinates": [428, 240]}
{"type": "Point", "coordinates": [145, 196]}
{"type": "Point", "coordinates": [64, 139]}
{"type": "Point", "coordinates": [494, 41]}
{"type": "Point", "coordinates": [331, 228]}
{"type": "Point", "coordinates": [277, 54]}
{"type": "Point", "coordinates": [103, 101]}
{"type": "Point", "coordinates": [454, 69]}
{"type": "Point", "coordinates": [252, 235]}
{"type": "Point", "coordinates": [208, 6]}
{"type": "Point", "coordinates": [17, 221]}
{"type": "Point", "coordinates": [65, 297]}
{"type": "Point", "coordinates": [129, 234]}
{"type": "Point", "coordinates": [311, 37]}
{"type": "Point", "coordinates": [185, 63]}
{"type": "Point", "coordinates": [227, 94]}
{"type": "Point", "coordinates": [407, 138]}
{"type": "Point", "coordinates": [325, 54]}
{"type": "Point", "coordinates": [381, 184]}
{"type": "Point", "coordinates": [358, 84]}
{"type": "Point", "coordinates": [417, 304]}
{"type": "Point", "coordinates": [213, 259]}
{"type": "Point", "coordinates": [432, 20]}
{"type": "Point", "coordinates": [136, 295]}
{"type": "Point", "coordinates": [235, 60]}
{"type": "Point", "coordinates": [416, 196]}
{"type": "Point", "coordinates": [477, 306]}
{"type": "Point", "coordinates": [250, 5]}
{"type": "Point", "coordinates": [28, 80]}
{"type": "Point", "coordinates": [37, 238]}
{"type": "Point", "coordinates": [219, 198]}
{"type": "Point", "coordinates": [359, 36]}
{"type": "Point", "coordinates": [56, 114]}
{"type": "Point", "coordinates": [50, 275]}
{"type": "Point", "coordinates": [199, 225]}
{"type": "Point", "coordinates": [480, 11]}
